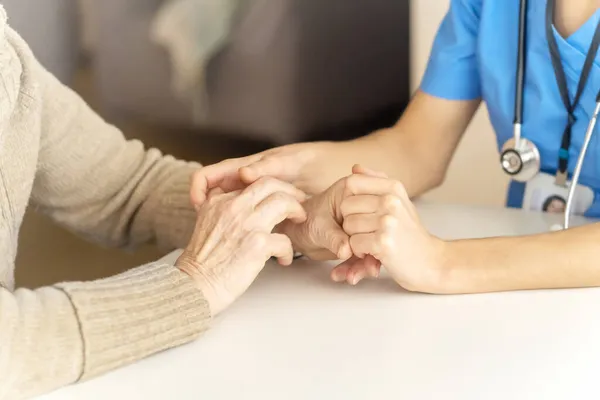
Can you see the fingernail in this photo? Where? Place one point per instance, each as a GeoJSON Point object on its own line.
{"type": "Point", "coordinates": [337, 277]}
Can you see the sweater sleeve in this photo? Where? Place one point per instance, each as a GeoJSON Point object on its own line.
{"type": "Point", "coordinates": [55, 336]}
{"type": "Point", "coordinates": [93, 181]}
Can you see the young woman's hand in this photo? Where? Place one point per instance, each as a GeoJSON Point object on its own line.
{"type": "Point", "coordinates": [233, 238]}
{"type": "Point", "coordinates": [384, 227]}
{"type": "Point", "coordinates": [311, 167]}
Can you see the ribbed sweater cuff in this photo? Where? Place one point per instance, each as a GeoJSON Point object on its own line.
{"type": "Point", "coordinates": [133, 315]}
{"type": "Point", "coordinates": [174, 216]}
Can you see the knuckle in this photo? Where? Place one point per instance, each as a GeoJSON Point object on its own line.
{"type": "Point", "coordinates": [391, 203]}
{"type": "Point", "coordinates": [399, 189]}
{"type": "Point", "coordinates": [386, 241]}
{"type": "Point", "coordinates": [250, 224]}
{"type": "Point", "coordinates": [258, 241]}
{"type": "Point", "coordinates": [351, 183]}
{"type": "Point", "coordinates": [233, 207]}
{"type": "Point", "coordinates": [388, 222]}
{"type": "Point", "coordinates": [279, 198]}
{"type": "Point", "coordinates": [275, 205]}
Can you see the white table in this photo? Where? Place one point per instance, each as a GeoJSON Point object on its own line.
{"type": "Point", "coordinates": [295, 335]}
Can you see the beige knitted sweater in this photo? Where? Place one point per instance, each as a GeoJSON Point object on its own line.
{"type": "Point", "coordinates": [60, 158]}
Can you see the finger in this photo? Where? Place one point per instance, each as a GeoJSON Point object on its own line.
{"type": "Point", "coordinates": [363, 184]}
{"type": "Point", "coordinates": [357, 272]}
{"type": "Point", "coordinates": [339, 243]}
{"type": "Point", "coordinates": [277, 208]}
{"type": "Point", "coordinates": [359, 169]}
{"type": "Point", "coordinates": [267, 166]}
{"type": "Point", "coordinates": [199, 187]}
{"type": "Point", "coordinates": [224, 174]}
{"type": "Point", "coordinates": [368, 267]}
{"type": "Point", "coordinates": [279, 166]}
{"type": "Point", "coordinates": [364, 244]}
{"type": "Point", "coordinates": [332, 237]}
{"type": "Point", "coordinates": [264, 187]}
{"type": "Point", "coordinates": [207, 178]}
{"type": "Point", "coordinates": [362, 223]}
{"type": "Point", "coordinates": [373, 266]}
{"type": "Point", "coordinates": [340, 272]}
{"type": "Point", "coordinates": [362, 204]}
{"type": "Point", "coordinates": [280, 247]}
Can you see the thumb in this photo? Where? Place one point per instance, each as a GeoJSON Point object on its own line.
{"type": "Point", "coordinates": [280, 166]}
{"type": "Point", "coordinates": [338, 243]}
{"type": "Point", "coordinates": [267, 166]}
{"type": "Point", "coordinates": [359, 169]}
{"type": "Point", "coordinates": [199, 187]}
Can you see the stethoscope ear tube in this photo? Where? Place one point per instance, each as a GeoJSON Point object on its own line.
{"type": "Point", "coordinates": [584, 148]}
{"type": "Point", "coordinates": [518, 120]}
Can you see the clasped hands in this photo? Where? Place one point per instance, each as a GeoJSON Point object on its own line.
{"type": "Point", "coordinates": [364, 219]}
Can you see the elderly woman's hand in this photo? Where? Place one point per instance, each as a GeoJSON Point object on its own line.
{"type": "Point", "coordinates": [233, 238]}
{"type": "Point", "coordinates": [321, 236]}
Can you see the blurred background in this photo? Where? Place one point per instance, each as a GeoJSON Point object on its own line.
{"type": "Point", "coordinates": [208, 80]}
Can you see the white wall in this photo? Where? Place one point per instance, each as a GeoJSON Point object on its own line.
{"type": "Point", "coordinates": [475, 176]}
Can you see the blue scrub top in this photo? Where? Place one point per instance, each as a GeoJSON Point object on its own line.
{"type": "Point", "coordinates": [475, 56]}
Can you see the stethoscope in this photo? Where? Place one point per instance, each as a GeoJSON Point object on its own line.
{"type": "Point", "coordinates": [520, 158]}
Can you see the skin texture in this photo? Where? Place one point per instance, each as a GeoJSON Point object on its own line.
{"type": "Point", "coordinates": [321, 236]}
{"type": "Point", "coordinates": [233, 238]}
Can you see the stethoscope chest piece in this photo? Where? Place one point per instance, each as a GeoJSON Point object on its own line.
{"type": "Point", "coordinates": [520, 160]}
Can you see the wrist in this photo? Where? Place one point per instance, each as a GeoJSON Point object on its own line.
{"type": "Point", "coordinates": [454, 275]}
{"type": "Point", "coordinates": [186, 264]}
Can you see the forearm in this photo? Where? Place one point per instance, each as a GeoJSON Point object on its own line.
{"type": "Point", "coordinates": [565, 259]}
{"type": "Point", "coordinates": [418, 149]}
{"type": "Point", "coordinates": [389, 150]}
{"type": "Point", "coordinates": [96, 183]}
{"type": "Point", "coordinates": [54, 336]}
{"type": "Point", "coordinates": [396, 152]}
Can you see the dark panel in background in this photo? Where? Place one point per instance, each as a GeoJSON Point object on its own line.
{"type": "Point", "coordinates": [390, 58]}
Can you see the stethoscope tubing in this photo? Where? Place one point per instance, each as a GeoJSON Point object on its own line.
{"type": "Point", "coordinates": [578, 167]}
{"type": "Point", "coordinates": [518, 119]}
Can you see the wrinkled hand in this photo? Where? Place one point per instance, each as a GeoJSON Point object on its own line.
{"type": "Point", "coordinates": [300, 164]}
{"type": "Point", "coordinates": [233, 238]}
{"type": "Point", "coordinates": [384, 227]}
{"type": "Point", "coordinates": [321, 236]}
